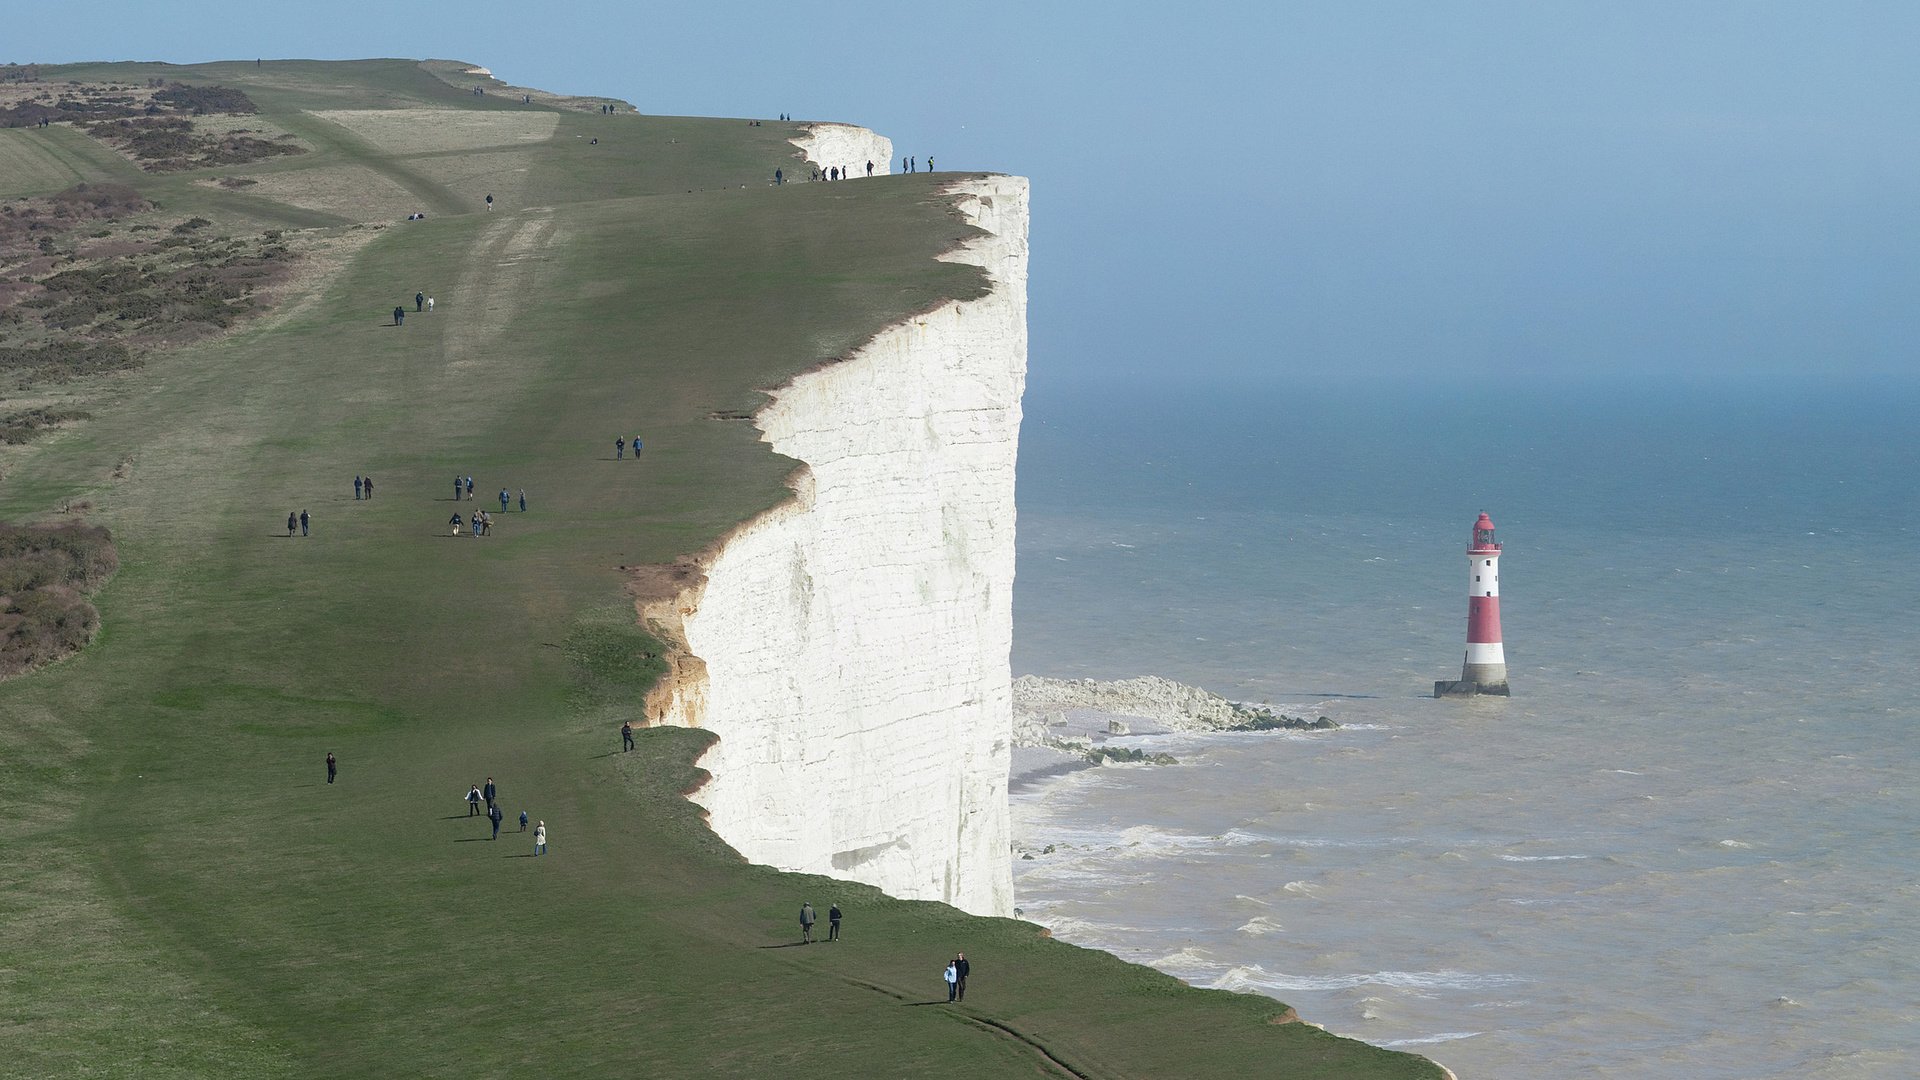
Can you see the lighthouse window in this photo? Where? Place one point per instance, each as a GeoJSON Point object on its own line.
{"type": "Point", "coordinates": [1476, 577]}
{"type": "Point", "coordinates": [1489, 562]}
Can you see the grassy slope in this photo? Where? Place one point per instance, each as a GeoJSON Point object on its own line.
{"type": "Point", "coordinates": [186, 897]}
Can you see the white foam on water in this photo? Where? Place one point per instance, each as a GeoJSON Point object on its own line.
{"type": "Point", "coordinates": [1253, 977]}
{"type": "Point", "coordinates": [1428, 1040]}
{"type": "Point", "coordinates": [1262, 924]}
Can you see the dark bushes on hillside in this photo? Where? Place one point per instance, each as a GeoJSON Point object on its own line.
{"type": "Point", "coordinates": [44, 573]}
{"type": "Point", "coordinates": [65, 359]}
{"type": "Point", "coordinates": [201, 100]}
{"type": "Point", "coordinates": [29, 425]}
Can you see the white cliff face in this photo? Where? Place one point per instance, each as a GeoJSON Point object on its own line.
{"type": "Point", "coordinates": [851, 647]}
{"type": "Point", "coordinates": [847, 147]}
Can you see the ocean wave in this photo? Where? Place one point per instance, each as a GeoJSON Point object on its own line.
{"type": "Point", "coordinates": [1544, 858]}
{"type": "Point", "coordinates": [1261, 925]}
{"type": "Point", "coordinates": [1253, 977]}
{"type": "Point", "coordinates": [1738, 844]}
{"type": "Point", "coordinates": [1428, 1040]}
{"type": "Point", "coordinates": [1188, 960]}
{"type": "Point", "coordinates": [1300, 888]}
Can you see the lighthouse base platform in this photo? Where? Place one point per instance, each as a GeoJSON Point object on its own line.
{"type": "Point", "coordinates": [1443, 688]}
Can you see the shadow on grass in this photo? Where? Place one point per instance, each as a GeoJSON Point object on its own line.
{"type": "Point", "coordinates": [935, 1001]}
{"type": "Point", "coordinates": [474, 840]}
{"type": "Point", "coordinates": [788, 945]}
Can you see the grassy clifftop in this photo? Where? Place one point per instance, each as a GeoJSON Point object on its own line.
{"type": "Point", "coordinates": [186, 894]}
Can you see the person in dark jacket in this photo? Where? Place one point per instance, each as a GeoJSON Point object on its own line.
{"type": "Point", "coordinates": [332, 767]}
{"type": "Point", "coordinates": [960, 968]}
{"type": "Point", "coordinates": [833, 922]}
{"type": "Point", "coordinates": [494, 815]}
{"type": "Point", "coordinates": [293, 522]}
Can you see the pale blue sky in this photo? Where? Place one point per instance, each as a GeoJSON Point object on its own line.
{"type": "Point", "coordinates": [1382, 189]}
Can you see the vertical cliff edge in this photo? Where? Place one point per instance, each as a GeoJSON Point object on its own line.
{"type": "Point", "coordinates": [851, 646]}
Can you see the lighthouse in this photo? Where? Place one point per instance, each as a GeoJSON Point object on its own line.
{"type": "Point", "coordinates": [1485, 668]}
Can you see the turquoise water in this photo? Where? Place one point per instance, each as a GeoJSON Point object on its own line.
{"type": "Point", "coordinates": [1685, 848]}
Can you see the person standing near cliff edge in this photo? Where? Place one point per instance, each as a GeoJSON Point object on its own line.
{"type": "Point", "coordinates": [626, 736]}
{"type": "Point", "coordinates": [806, 923]}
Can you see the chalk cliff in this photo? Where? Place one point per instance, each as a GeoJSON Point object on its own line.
{"type": "Point", "coordinates": [851, 646]}
{"type": "Point", "coordinates": [847, 147]}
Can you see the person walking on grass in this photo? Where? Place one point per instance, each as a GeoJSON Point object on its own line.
{"type": "Point", "coordinates": [504, 499]}
{"type": "Point", "coordinates": [523, 821]}
{"type": "Point", "coordinates": [356, 489]}
{"type": "Point", "coordinates": [833, 922]}
{"type": "Point", "coordinates": [399, 315]}
{"type": "Point", "coordinates": [305, 521]}
{"type": "Point", "coordinates": [952, 978]}
{"type": "Point", "coordinates": [332, 767]}
{"type": "Point", "coordinates": [523, 500]}
{"type": "Point", "coordinates": [540, 839]}
{"type": "Point", "coordinates": [626, 736]}
{"type": "Point", "coordinates": [806, 923]}
{"type": "Point", "coordinates": [473, 800]}
{"type": "Point", "coordinates": [619, 447]}
{"type": "Point", "coordinates": [369, 486]}
{"type": "Point", "coordinates": [490, 793]}
{"type": "Point", "coordinates": [960, 965]}
{"type": "Point", "coordinates": [494, 815]}
{"type": "Point", "coordinates": [636, 447]}
{"type": "Point", "coordinates": [455, 522]}
{"type": "Point", "coordinates": [293, 522]}
{"type": "Point", "coordinates": [473, 525]}
{"type": "Point", "coordinates": [489, 204]}
{"type": "Point", "coordinates": [469, 488]}
{"type": "Point", "coordinates": [429, 305]}
{"type": "Point", "coordinates": [419, 301]}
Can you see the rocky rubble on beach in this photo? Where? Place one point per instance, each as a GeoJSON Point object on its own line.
{"type": "Point", "coordinates": [1060, 724]}
{"type": "Point", "coordinates": [1039, 703]}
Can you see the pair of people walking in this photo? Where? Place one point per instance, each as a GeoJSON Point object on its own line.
{"type": "Point", "coordinates": [807, 920]}
{"type": "Point", "coordinates": [956, 976]}
{"type": "Point", "coordinates": [362, 485]}
{"type": "Point", "coordinates": [299, 521]}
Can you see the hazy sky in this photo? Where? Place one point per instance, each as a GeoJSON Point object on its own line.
{"type": "Point", "coordinates": [1347, 188]}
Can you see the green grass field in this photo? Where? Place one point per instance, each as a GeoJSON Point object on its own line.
{"type": "Point", "coordinates": [185, 896]}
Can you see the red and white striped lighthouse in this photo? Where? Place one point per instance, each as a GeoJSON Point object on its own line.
{"type": "Point", "coordinates": [1485, 668]}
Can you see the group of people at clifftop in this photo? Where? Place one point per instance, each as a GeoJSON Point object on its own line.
{"type": "Point", "coordinates": [845, 172]}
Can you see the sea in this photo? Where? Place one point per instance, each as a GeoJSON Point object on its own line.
{"type": "Point", "coordinates": [1686, 846]}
